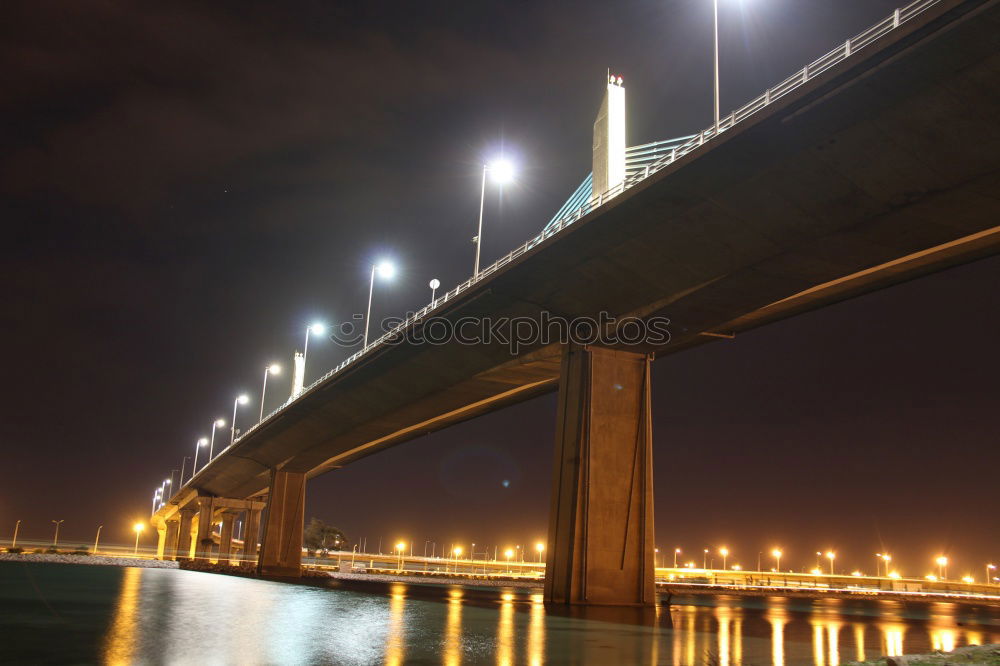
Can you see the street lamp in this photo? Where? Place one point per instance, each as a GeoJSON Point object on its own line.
{"type": "Point", "coordinates": [942, 562]}
{"type": "Point", "coordinates": [55, 539]}
{"type": "Point", "coordinates": [503, 172]}
{"type": "Point", "coordinates": [704, 559]}
{"type": "Point", "coordinates": [316, 329]}
{"type": "Point", "coordinates": [180, 481]}
{"type": "Point", "coordinates": [138, 527]}
{"type": "Point", "coordinates": [156, 499]}
{"type": "Point", "coordinates": [456, 551]}
{"type": "Point", "coordinates": [241, 399]}
{"type": "Point", "coordinates": [989, 576]}
{"type": "Point", "coordinates": [217, 423]}
{"type": "Point", "coordinates": [777, 558]}
{"type": "Point", "coordinates": [830, 555]}
{"type": "Point", "coordinates": [97, 538]}
{"type": "Point", "coordinates": [677, 551]}
{"type": "Point", "coordinates": [509, 553]}
{"type": "Point", "coordinates": [886, 557]}
{"type": "Point", "coordinates": [385, 270]}
{"type": "Point", "coordinates": [400, 547]}
{"type": "Point", "coordinates": [541, 547]}
{"type": "Point", "coordinates": [197, 445]}
{"type": "Point", "coordinates": [272, 369]}
{"type": "Point", "coordinates": [434, 284]}
{"type": "Point", "coordinates": [725, 553]}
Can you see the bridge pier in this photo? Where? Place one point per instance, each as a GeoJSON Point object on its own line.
{"type": "Point", "coordinates": [203, 543]}
{"type": "Point", "coordinates": [166, 548]}
{"type": "Point", "coordinates": [184, 533]}
{"type": "Point", "coordinates": [281, 547]}
{"type": "Point", "coordinates": [600, 542]}
{"type": "Point", "coordinates": [251, 533]}
{"type": "Point", "coordinates": [226, 536]}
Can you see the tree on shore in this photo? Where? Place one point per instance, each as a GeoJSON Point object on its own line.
{"type": "Point", "coordinates": [320, 536]}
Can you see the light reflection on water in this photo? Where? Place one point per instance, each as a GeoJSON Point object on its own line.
{"type": "Point", "coordinates": [180, 617]}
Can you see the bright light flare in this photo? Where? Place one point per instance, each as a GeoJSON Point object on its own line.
{"type": "Point", "coordinates": [220, 422]}
{"type": "Point", "coordinates": [317, 328]}
{"type": "Point", "coordinates": [501, 170]}
{"type": "Point", "coordinates": [942, 560]}
{"type": "Point", "coordinates": [138, 527]}
{"type": "Point", "coordinates": [400, 546]}
{"type": "Point", "coordinates": [274, 369]}
{"type": "Point", "coordinates": [539, 546]}
{"type": "Point", "coordinates": [385, 270]}
{"type": "Point", "coordinates": [243, 399]}
{"type": "Point", "coordinates": [509, 553]}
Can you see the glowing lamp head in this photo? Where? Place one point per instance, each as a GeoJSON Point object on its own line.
{"type": "Point", "coordinates": [243, 399]}
{"type": "Point", "coordinates": [274, 369]}
{"type": "Point", "coordinates": [776, 552]}
{"type": "Point", "coordinates": [138, 527]}
{"type": "Point", "coordinates": [539, 546]}
{"type": "Point", "coordinates": [317, 329]}
{"type": "Point", "coordinates": [220, 422]}
{"type": "Point", "coordinates": [501, 170]}
{"type": "Point", "coordinates": [724, 551]}
{"type": "Point", "coordinates": [830, 554]}
{"type": "Point", "coordinates": [385, 270]}
{"type": "Point", "coordinates": [400, 546]}
{"type": "Point", "coordinates": [435, 283]}
{"type": "Point", "coordinates": [166, 482]}
{"type": "Point", "coordinates": [887, 557]}
{"type": "Point", "coordinates": [457, 550]}
{"type": "Point", "coordinates": [509, 553]}
{"type": "Point", "coordinates": [203, 441]}
{"type": "Point", "coordinates": [942, 560]}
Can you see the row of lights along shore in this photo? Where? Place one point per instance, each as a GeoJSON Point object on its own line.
{"type": "Point", "coordinates": [501, 171]}
{"type": "Point", "coordinates": [882, 565]}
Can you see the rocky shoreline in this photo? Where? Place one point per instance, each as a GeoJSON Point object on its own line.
{"type": "Point", "coordinates": [973, 655]}
{"type": "Point", "coordinates": [100, 560]}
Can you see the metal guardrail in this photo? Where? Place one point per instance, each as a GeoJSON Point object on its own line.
{"type": "Point", "coordinates": [765, 99]}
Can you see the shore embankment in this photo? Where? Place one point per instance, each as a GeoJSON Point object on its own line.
{"type": "Point", "coordinates": [100, 560]}
{"type": "Point", "coordinates": [972, 655]}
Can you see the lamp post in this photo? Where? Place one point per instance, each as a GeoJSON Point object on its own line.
{"type": "Point", "coordinates": [217, 423]}
{"type": "Point", "coordinates": [830, 555]}
{"type": "Point", "coordinates": [540, 547]}
{"type": "Point", "coordinates": [777, 558]}
{"type": "Point", "coordinates": [989, 576]}
{"type": "Point", "coordinates": [17, 526]}
{"type": "Point", "coordinates": [715, 16]}
{"type": "Point", "coordinates": [509, 553]}
{"type": "Point", "coordinates": [166, 482]}
{"type": "Point", "coordinates": [180, 482]}
{"type": "Point", "coordinates": [316, 329]}
{"type": "Point", "coordinates": [97, 538]}
{"type": "Point", "coordinates": [704, 559]}
{"type": "Point", "coordinates": [503, 172]}
{"type": "Point", "coordinates": [677, 551]}
{"type": "Point", "coordinates": [434, 284]}
{"type": "Point", "coordinates": [886, 557]}
{"type": "Point", "coordinates": [942, 562]}
{"type": "Point", "coordinates": [400, 548]}
{"type": "Point", "coordinates": [156, 499]}
{"type": "Point", "coordinates": [197, 445]}
{"type": "Point", "coordinates": [272, 369]}
{"type": "Point", "coordinates": [55, 539]}
{"type": "Point", "coordinates": [241, 399]}
{"type": "Point", "coordinates": [138, 527]}
{"type": "Point", "coordinates": [385, 270]}
{"type": "Point", "coordinates": [725, 553]}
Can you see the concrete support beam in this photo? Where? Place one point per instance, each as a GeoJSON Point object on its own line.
{"type": "Point", "coordinates": [226, 537]}
{"type": "Point", "coordinates": [203, 546]}
{"type": "Point", "coordinates": [251, 535]}
{"type": "Point", "coordinates": [281, 548]}
{"type": "Point", "coordinates": [161, 542]}
{"type": "Point", "coordinates": [169, 550]}
{"type": "Point", "coordinates": [600, 543]}
{"type": "Point", "coordinates": [184, 527]}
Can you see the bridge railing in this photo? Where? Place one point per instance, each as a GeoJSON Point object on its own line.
{"type": "Point", "coordinates": [765, 99]}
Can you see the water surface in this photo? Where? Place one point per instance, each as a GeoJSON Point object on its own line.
{"type": "Point", "coordinates": [52, 613]}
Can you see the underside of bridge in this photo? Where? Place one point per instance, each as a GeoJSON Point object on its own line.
{"type": "Point", "coordinates": [884, 168]}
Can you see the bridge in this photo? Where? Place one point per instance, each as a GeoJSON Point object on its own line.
{"type": "Point", "coordinates": [875, 164]}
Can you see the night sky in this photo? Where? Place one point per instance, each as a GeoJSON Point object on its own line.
{"type": "Point", "coordinates": [183, 188]}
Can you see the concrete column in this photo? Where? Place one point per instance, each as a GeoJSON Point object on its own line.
{"type": "Point", "coordinates": [167, 549]}
{"type": "Point", "coordinates": [205, 512]}
{"type": "Point", "coordinates": [226, 537]}
{"type": "Point", "coordinates": [281, 548]}
{"type": "Point", "coordinates": [251, 535]}
{"type": "Point", "coordinates": [184, 533]}
{"type": "Point", "coordinates": [600, 543]}
{"type": "Point", "coordinates": [161, 542]}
